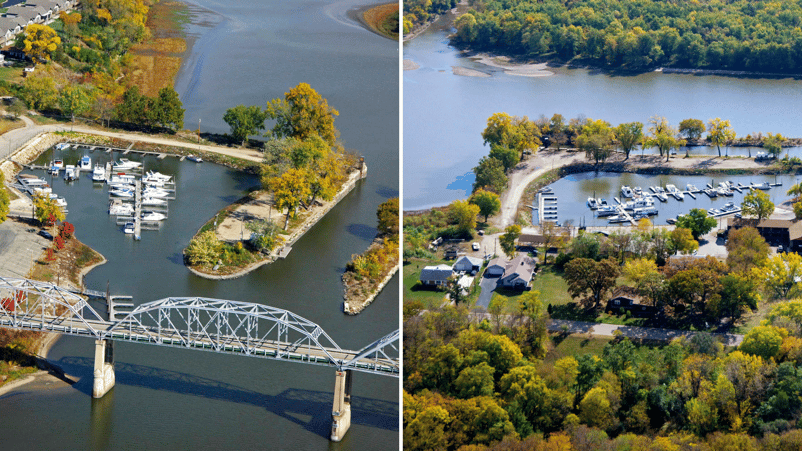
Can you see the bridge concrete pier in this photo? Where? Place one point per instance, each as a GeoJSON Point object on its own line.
{"type": "Point", "coordinates": [104, 368]}
{"type": "Point", "coordinates": [341, 413]}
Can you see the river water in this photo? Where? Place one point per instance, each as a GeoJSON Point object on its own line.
{"type": "Point", "coordinates": [444, 113]}
{"type": "Point", "coordinates": [244, 52]}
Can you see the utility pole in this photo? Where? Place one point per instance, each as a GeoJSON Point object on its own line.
{"type": "Point", "coordinates": [199, 121]}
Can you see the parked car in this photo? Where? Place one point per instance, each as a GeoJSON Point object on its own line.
{"type": "Point", "coordinates": [780, 249]}
{"type": "Point", "coordinates": [46, 234]}
{"type": "Point", "coordinates": [475, 246]}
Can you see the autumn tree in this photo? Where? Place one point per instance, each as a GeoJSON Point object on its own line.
{"type": "Point", "coordinates": [507, 240]}
{"type": "Point", "coordinates": [388, 216]}
{"type": "Point", "coordinates": [5, 201]}
{"type": "Point", "coordinates": [487, 201]}
{"type": "Point", "coordinates": [763, 341]}
{"type": "Point", "coordinates": [757, 203]}
{"type": "Point", "coordinates": [663, 136]}
{"type": "Point", "coordinates": [719, 132]}
{"type": "Point", "coordinates": [682, 240]}
{"type": "Point", "coordinates": [746, 249]}
{"type": "Point", "coordinates": [463, 215]}
{"type": "Point", "coordinates": [517, 133]}
{"type": "Point", "coordinates": [628, 135]}
{"type": "Point", "coordinates": [289, 191]}
{"type": "Point", "coordinates": [204, 249]}
{"type": "Point", "coordinates": [303, 113]}
{"type": "Point", "coordinates": [691, 128]}
{"type": "Point", "coordinates": [780, 274]}
{"type": "Point", "coordinates": [490, 175]}
{"type": "Point", "coordinates": [585, 275]}
{"type": "Point", "coordinates": [40, 41]}
{"type": "Point", "coordinates": [74, 99]}
{"type": "Point", "coordinates": [738, 292]}
{"type": "Point", "coordinates": [265, 235]}
{"type": "Point", "coordinates": [245, 121]}
{"type": "Point", "coordinates": [697, 221]}
{"type": "Point", "coordinates": [46, 210]}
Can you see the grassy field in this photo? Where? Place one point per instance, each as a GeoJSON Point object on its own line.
{"type": "Point", "coordinates": [12, 73]}
{"type": "Point", "coordinates": [7, 124]}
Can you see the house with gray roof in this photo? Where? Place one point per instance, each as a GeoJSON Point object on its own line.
{"type": "Point", "coordinates": [467, 264]}
{"type": "Point", "coordinates": [518, 272]}
{"type": "Point", "coordinates": [435, 275]}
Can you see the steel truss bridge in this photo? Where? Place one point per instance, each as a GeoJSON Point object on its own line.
{"type": "Point", "coordinates": [215, 325]}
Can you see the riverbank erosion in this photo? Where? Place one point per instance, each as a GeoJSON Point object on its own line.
{"type": "Point", "coordinates": [360, 288]}
{"type": "Point", "coordinates": [230, 226]}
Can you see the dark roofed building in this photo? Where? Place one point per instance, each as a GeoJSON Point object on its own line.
{"type": "Point", "coordinates": [785, 232]}
{"type": "Point", "coordinates": [435, 275]}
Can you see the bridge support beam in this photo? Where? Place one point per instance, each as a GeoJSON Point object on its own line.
{"type": "Point", "coordinates": [341, 413]}
{"type": "Point", "coordinates": [104, 368]}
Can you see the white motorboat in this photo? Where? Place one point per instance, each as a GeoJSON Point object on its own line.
{"type": "Point", "coordinates": [61, 202]}
{"type": "Point", "coordinates": [763, 186]}
{"type": "Point", "coordinates": [122, 179]}
{"type": "Point", "coordinates": [58, 163]}
{"type": "Point", "coordinates": [29, 181]}
{"type": "Point", "coordinates": [70, 173]}
{"type": "Point", "coordinates": [626, 191]}
{"type": "Point", "coordinates": [151, 175]}
{"type": "Point", "coordinates": [606, 210]}
{"type": "Point", "coordinates": [120, 192]}
{"type": "Point", "coordinates": [153, 201]}
{"type": "Point", "coordinates": [592, 203]}
{"type": "Point", "coordinates": [41, 190]}
{"type": "Point", "coordinates": [99, 173]}
{"type": "Point", "coordinates": [154, 192]}
{"type": "Point", "coordinates": [691, 188]}
{"type": "Point", "coordinates": [674, 191]}
{"type": "Point", "coordinates": [85, 164]}
{"type": "Point", "coordinates": [153, 216]}
{"type": "Point", "coordinates": [195, 158]}
{"type": "Point", "coordinates": [126, 164]}
{"type": "Point", "coordinates": [128, 227]}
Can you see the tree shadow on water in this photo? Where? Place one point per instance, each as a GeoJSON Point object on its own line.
{"type": "Point", "coordinates": [292, 404]}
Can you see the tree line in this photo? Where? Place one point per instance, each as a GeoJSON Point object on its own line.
{"type": "Point", "coordinates": [762, 36]}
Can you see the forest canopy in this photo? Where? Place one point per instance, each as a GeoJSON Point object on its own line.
{"type": "Point", "coordinates": [763, 36]}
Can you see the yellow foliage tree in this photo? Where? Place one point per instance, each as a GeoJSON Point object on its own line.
{"type": "Point", "coordinates": [289, 191]}
{"type": "Point", "coordinates": [40, 41]}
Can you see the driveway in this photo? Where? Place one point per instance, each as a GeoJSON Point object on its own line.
{"type": "Point", "coordinates": [488, 286]}
{"type": "Point", "coordinates": [19, 248]}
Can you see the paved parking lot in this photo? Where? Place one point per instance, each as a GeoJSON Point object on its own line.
{"type": "Point", "coordinates": [20, 246]}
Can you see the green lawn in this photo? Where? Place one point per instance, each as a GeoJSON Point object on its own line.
{"type": "Point", "coordinates": [12, 73]}
{"type": "Point", "coordinates": [552, 287]}
{"type": "Point", "coordinates": [414, 290]}
{"type": "Point", "coordinates": [575, 345]}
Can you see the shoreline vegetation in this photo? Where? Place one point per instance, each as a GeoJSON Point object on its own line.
{"type": "Point", "coordinates": [512, 63]}
{"type": "Point", "coordinates": [366, 274]}
{"type": "Point", "coordinates": [381, 19]}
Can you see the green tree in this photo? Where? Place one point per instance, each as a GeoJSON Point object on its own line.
{"type": "Point", "coordinates": [596, 140]}
{"type": "Point", "coordinates": [289, 191]}
{"type": "Point", "coordinates": [245, 121]}
{"type": "Point", "coordinates": [763, 341]}
{"type": "Point", "coordinates": [628, 135]}
{"type": "Point", "coordinates": [39, 92]}
{"type": "Point", "coordinates": [507, 240]}
{"type": "Point", "coordinates": [746, 249]}
{"type": "Point", "coordinates": [719, 132]}
{"type": "Point", "coordinates": [40, 41]}
{"type": "Point", "coordinates": [74, 99]}
{"type": "Point", "coordinates": [265, 235]}
{"type": "Point", "coordinates": [135, 107]}
{"type": "Point", "coordinates": [309, 152]}
{"type": "Point", "coordinates": [737, 293]}
{"type": "Point", "coordinates": [168, 109]}
{"type": "Point", "coordinates": [757, 203]}
{"type": "Point", "coordinates": [17, 108]}
{"type": "Point", "coordinates": [508, 157]}
{"type": "Point", "coordinates": [691, 128]}
{"type": "Point", "coordinates": [595, 409]}
{"type": "Point", "coordinates": [697, 222]}
{"type": "Point", "coordinates": [388, 216]}
{"type": "Point", "coordinates": [496, 307]}
{"type": "Point", "coordinates": [463, 215]}
{"type": "Point", "coordinates": [5, 201]}
{"type": "Point", "coordinates": [487, 201]}
{"type": "Point", "coordinates": [490, 175]}
{"type": "Point", "coordinates": [682, 240]}
{"type": "Point", "coordinates": [475, 381]}
{"type": "Point", "coordinates": [773, 143]}
{"type": "Point", "coordinates": [204, 249]}
{"type": "Point", "coordinates": [303, 113]}
{"type": "Point", "coordinates": [517, 133]}
{"type": "Point", "coordinates": [585, 275]}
